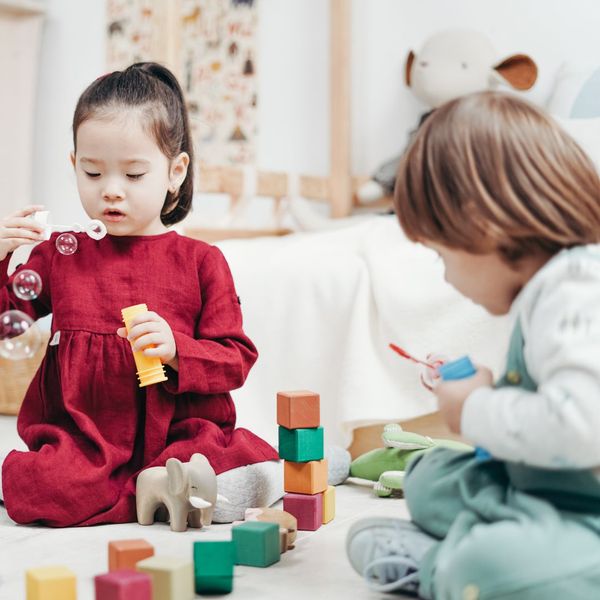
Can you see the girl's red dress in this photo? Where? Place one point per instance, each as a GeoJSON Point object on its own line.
{"type": "Point", "coordinates": [89, 428]}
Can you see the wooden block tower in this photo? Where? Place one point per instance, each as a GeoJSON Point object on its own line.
{"type": "Point", "coordinates": [305, 468]}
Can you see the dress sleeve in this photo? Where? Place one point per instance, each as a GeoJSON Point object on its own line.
{"type": "Point", "coordinates": [556, 426]}
{"type": "Point", "coordinates": [219, 356]}
{"type": "Point", "coordinates": [40, 262]}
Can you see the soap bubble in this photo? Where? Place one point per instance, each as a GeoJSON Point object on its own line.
{"type": "Point", "coordinates": [96, 229]}
{"type": "Point", "coordinates": [27, 284]}
{"type": "Point", "coordinates": [19, 337]}
{"type": "Point", "coordinates": [66, 243]}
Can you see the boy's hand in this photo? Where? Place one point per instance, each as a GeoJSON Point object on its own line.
{"type": "Point", "coordinates": [18, 229]}
{"type": "Point", "coordinates": [452, 395]}
{"type": "Point", "coordinates": [150, 329]}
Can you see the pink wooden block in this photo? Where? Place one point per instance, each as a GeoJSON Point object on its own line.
{"type": "Point", "coordinates": [123, 585]}
{"type": "Point", "coordinates": [308, 509]}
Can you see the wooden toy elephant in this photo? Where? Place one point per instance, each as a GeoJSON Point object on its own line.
{"type": "Point", "coordinates": [183, 493]}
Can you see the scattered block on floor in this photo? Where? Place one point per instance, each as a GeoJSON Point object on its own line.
{"type": "Point", "coordinates": [275, 515]}
{"type": "Point", "coordinates": [284, 540]}
{"type": "Point", "coordinates": [172, 577]}
{"type": "Point", "coordinates": [301, 445]}
{"type": "Point", "coordinates": [213, 567]}
{"type": "Point", "coordinates": [307, 509]}
{"type": "Point", "coordinates": [50, 583]}
{"type": "Point", "coordinates": [328, 504]}
{"type": "Point", "coordinates": [305, 477]}
{"type": "Point", "coordinates": [257, 543]}
{"type": "Point", "coordinates": [123, 585]}
{"type": "Point", "coordinates": [298, 409]}
{"type": "Point", "coordinates": [124, 554]}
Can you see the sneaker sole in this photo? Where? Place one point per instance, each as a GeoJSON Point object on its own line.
{"type": "Point", "coordinates": [369, 522]}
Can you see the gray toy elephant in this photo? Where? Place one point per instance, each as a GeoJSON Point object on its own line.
{"type": "Point", "coordinates": [183, 493]}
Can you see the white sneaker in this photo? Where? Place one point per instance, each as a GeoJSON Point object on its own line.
{"type": "Point", "coordinates": [387, 553]}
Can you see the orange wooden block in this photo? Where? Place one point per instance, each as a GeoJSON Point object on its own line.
{"type": "Point", "coordinates": [299, 409]}
{"type": "Point", "coordinates": [306, 477]}
{"type": "Point", "coordinates": [124, 554]}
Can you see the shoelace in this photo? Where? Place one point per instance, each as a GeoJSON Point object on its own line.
{"type": "Point", "coordinates": [398, 573]}
{"type": "Point", "coordinates": [392, 571]}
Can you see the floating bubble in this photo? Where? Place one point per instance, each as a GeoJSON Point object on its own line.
{"type": "Point", "coordinates": [66, 243]}
{"type": "Point", "coordinates": [19, 337]}
{"type": "Point", "coordinates": [96, 229]}
{"type": "Point", "coordinates": [27, 284]}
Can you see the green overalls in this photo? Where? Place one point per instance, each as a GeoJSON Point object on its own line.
{"type": "Point", "coordinates": [506, 530]}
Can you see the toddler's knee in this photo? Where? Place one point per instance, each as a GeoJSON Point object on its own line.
{"type": "Point", "coordinates": [424, 487]}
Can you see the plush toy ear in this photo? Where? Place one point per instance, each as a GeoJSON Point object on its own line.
{"type": "Point", "coordinates": [408, 67]}
{"type": "Point", "coordinates": [175, 473]}
{"type": "Point", "coordinates": [518, 70]}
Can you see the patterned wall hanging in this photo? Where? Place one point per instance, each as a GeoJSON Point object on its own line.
{"type": "Point", "coordinates": [215, 57]}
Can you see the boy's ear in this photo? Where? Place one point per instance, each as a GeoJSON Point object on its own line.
{"type": "Point", "coordinates": [72, 157]}
{"type": "Point", "coordinates": [178, 170]}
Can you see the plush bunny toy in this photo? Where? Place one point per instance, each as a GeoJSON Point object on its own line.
{"type": "Point", "coordinates": [451, 63]}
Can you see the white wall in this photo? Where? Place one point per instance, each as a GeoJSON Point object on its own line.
{"type": "Point", "coordinates": [73, 54]}
{"type": "Point", "coordinates": [294, 72]}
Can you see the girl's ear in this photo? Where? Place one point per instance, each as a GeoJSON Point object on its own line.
{"type": "Point", "coordinates": [178, 170]}
{"type": "Point", "coordinates": [72, 157]}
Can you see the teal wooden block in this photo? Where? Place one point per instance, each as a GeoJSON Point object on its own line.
{"type": "Point", "coordinates": [213, 567]}
{"type": "Point", "coordinates": [257, 543]}
{"type": "Point", "coordinates": [301, 445]}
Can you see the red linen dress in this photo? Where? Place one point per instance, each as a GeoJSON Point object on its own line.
{"type": "Point", "coordinates": [89, 428]}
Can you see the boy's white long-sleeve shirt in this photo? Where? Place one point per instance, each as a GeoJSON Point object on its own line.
{"type": "Point", "coordinates": [557, 426]}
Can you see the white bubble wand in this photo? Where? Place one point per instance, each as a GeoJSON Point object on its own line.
{"type": "Point", "coordinates": [94, 229]}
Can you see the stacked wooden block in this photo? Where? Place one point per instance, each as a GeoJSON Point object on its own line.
{"type": "Point", "coordinates": [308, 497]}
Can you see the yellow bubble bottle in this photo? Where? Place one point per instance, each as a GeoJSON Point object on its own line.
{"type": "Point", "coordinates": [149, 368]}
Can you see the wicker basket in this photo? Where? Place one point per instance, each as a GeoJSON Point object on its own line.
{"type": "Point", "coordinates": [15, 377]}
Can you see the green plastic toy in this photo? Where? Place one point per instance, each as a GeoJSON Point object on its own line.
{"type": "Point", "coordinates": [386, 466]}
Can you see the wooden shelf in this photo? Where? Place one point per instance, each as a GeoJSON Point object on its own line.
{"type": "Point", "coordinates": [216, 234]}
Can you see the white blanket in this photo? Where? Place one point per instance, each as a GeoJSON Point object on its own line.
{"type": "Point", "coordinates": [322, 308]}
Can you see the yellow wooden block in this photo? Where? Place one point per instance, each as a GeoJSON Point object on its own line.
{"type": "Point", "coordinates": [306, 477]}
{"type": "Point", "coordinates": [328, 504]}
{"type": "Point", "coordinates": [51, 583]}
{"type": "Point", "coordinates": [172, 578]}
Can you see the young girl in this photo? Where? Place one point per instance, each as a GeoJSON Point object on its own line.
{"type": "Point", "coordinates": [89, 428]}
{"type": "Point", "coordinates": [512, 205]}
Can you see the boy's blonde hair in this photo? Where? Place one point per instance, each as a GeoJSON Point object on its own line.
{"type": "Point", "coordinates": [489, 172]}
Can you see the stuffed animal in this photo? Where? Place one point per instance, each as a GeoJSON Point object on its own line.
{"type": "Point", "coordinates": [386, 466]}
{"type": "Point", "coordinates": [451, 63]}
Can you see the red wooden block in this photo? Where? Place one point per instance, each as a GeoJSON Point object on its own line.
{"type": "Point", "coordinates": [298, 409]}
{"type": "Point", "coordinates": [308, 510]}
{"type": "Point", "coordinates": [123, 585]}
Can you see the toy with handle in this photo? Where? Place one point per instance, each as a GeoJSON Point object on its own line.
{"type": "Point", "coordinates": [462, 368]}
{"type": "Point", "coordinates": [149, 368]}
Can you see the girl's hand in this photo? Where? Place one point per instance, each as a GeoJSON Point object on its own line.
{"type": "Point", "coordinates": [452, 395]}
{"type": "Point", "coordinates": [19, 229]}
{"type": "Point", "coordinates": [150, 329]}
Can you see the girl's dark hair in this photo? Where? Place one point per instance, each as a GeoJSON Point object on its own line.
{"type": "Point", "coordinates": [155, 90]}
{"type": "Point", "coordinates": [490, 172]}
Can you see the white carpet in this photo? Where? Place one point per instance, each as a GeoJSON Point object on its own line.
{"type": "Point", "coordinates": [317, 567]}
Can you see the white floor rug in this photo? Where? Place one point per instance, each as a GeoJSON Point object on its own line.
{"type": "Point", "coordinates": [316, 568]}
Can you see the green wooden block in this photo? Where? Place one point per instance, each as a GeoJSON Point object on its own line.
{"type": "Point", "coordinates": [301, 445]}
{"type": "Point", "coordinates": [256, 543]}
{"type": "Point", "coordinates": [213, 567]}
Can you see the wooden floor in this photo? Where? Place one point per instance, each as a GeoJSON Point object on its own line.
{"type": "Point", "coordinates": [368, 438]}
